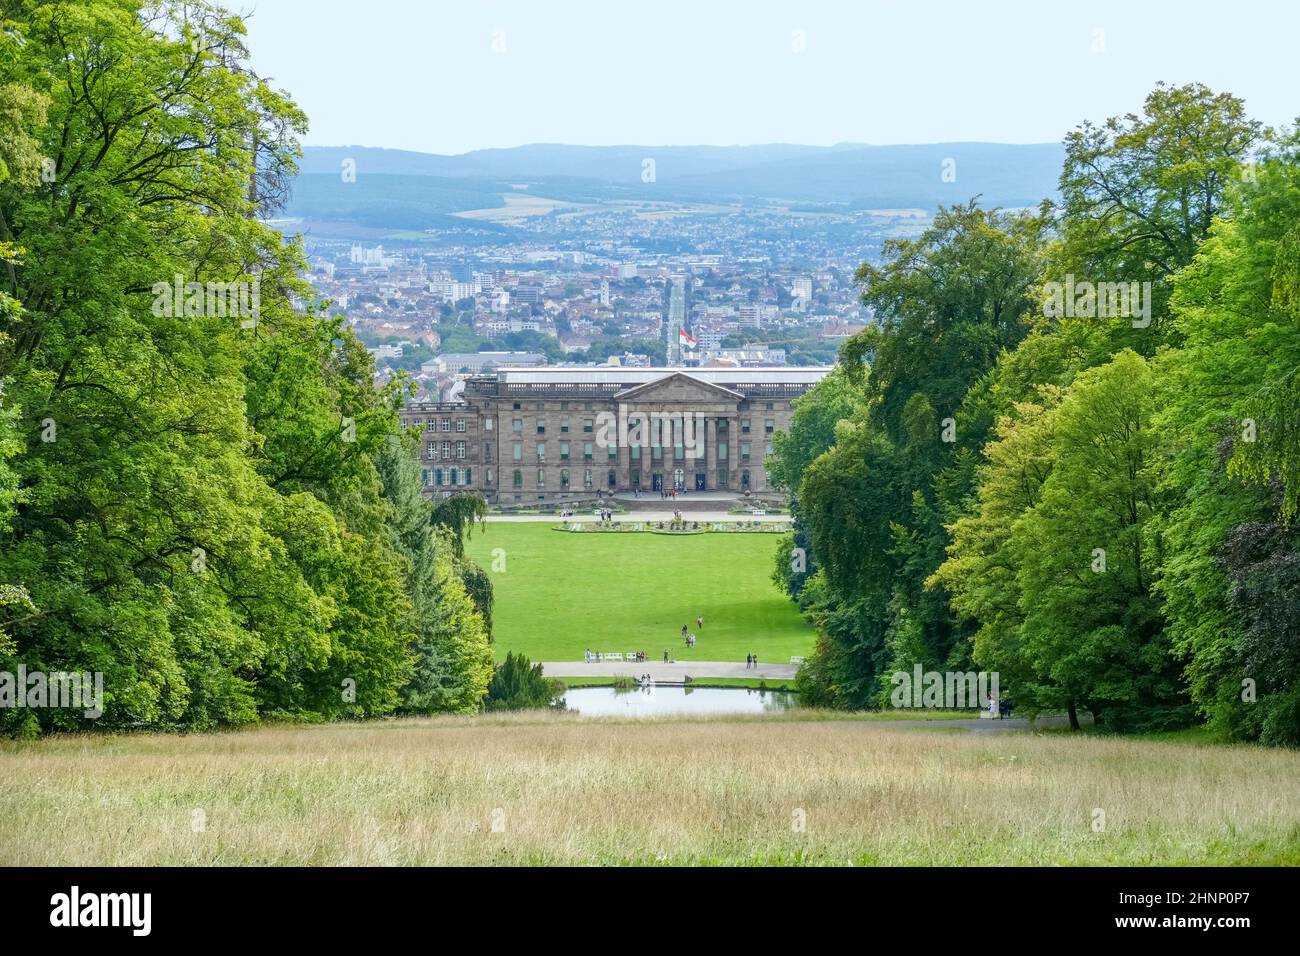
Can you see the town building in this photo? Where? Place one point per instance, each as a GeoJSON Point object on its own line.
{"type": "Point", "coordinates": [477, 362]}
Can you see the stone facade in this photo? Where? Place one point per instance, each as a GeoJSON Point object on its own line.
{"type": "Point", "coordinates": [560, 434]}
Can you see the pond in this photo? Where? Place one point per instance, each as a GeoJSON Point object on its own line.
{"type": "Point", "coordinates": [652, 701]}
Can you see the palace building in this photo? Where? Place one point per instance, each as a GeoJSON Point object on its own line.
{"type": "Point", "coordinates": [525, 435]}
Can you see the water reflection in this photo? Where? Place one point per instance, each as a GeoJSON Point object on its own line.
{"type": "Point", "coordinates": [653, 700]}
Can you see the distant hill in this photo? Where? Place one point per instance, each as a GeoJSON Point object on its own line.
{"type": "Point", "coordinates": [399, 189]}
{"type": "Point", "coordinates": [612, 163]}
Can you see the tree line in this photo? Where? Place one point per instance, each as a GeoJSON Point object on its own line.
{"type": "Point", "coordinates": [218, 513]}
{"type": "Point", "coordinates": [1069, 448]}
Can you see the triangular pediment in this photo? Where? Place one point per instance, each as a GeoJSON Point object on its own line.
{"type": "Point", "coordinates": [678, 387]}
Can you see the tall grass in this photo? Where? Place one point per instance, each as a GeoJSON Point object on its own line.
{"type": "Point", "coordinates": [564, 789]}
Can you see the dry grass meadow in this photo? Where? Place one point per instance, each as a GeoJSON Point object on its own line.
{"type": "Point", "coordinates": [567, 790]}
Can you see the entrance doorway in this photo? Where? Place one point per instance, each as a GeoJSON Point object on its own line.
{"type": "Point", "coordinates": [657, 481]}
{"type": "Point", "coordinates": [699, 481]}
{"type": "Point", "coordinates": [679, 479]}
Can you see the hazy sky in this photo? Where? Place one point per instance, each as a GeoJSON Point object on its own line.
{"type": "Point", "coordinates": [448, 76]}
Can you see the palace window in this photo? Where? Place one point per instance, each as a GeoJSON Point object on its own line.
{"type": "Point", "coordinates": [460, 449]}
{"type": "Point", "coordinates": [564, 478]}
{"type": "Point", "coordinates": [541, 478]}
{"type": "Point", "coordinates": [586, 451]}
{"type": "Point", "coordinates": [437, 477]}
{"type": "Point", "coordinates": [541, 451]}
{"type": "Point", "coordinates": [446, 449]}
{"type": "Point", "coordinates": [519, 478]}
{"type": "Point", "coordinates": [586, 478]}
{"type": "Point", "coordinates": [446, 424]}
{"type": "Point", "coordinates": [519, 451]}
{"type": "Point", "coordinates": [744, 451]}
{"type": "Point", "coordinates": [431, 450]}
{"type": "Point", "coordinates": [564, 451]}
{"type": "Point", "coordinates": [460, 424]}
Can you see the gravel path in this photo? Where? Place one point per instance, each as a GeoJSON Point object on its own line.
{"type": "Point", "coordinates": [674, 672]}
{"type": "Point", "coordinates": [643, 516]}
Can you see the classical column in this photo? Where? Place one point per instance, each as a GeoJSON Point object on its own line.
{"type": "Point", "coordinates": [711, 453]}
{"type": "Point", "coordinates": [733, 452]}
{"type": "Point", "coordinates": [639, 432]}
{"type": "Point", "coordinates": [622, 470]}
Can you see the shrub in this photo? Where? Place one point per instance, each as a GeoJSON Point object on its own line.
{"type": "Point", "coordinates": [518, 684]}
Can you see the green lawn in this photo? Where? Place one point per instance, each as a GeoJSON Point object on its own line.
{"type": "Point", "coordinates": [561, 593]}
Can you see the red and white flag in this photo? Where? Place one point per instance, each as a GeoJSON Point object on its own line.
{"type": "Point", "coordinates": [685, 338]}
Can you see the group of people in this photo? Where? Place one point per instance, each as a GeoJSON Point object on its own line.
{"type": "Point", "coordinates": [687, 635]}
{"type": "Point", "coordinates": [751, 660]}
